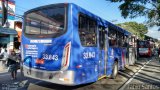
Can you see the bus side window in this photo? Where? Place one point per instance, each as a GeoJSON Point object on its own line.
{"type": "Point", "coordinates": [119, 39]}
{"type": "Point", "coordinates": [125, 43]}
{"type": "Point", "coordinates": [112, 37]}
{"type": "Point", "coordinates": [87, 31]}
{"type": "Point", "coordinates": [101, 36]}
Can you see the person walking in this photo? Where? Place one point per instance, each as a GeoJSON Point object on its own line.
{"type": "Point", "coordinates": [5, 58]}
{"type": "Point", "coordinates": [1, 53]}
{"type": "Point", "coordinates": [2, 50]}
{"type": "Point", "coordinates": [13, 64]}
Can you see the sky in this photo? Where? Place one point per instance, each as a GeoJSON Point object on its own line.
{"type": "Point", "coordinates": [107, 10]}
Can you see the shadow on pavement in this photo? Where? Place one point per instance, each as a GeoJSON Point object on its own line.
{"type": "Point", "coordinates": [153, 65]}
{"type": "Point", "coordinates": [62, 87]}
{"type": "Point", "coordinates": [150, 71]}
{"type": "Point", "coordinates": [154, 68]}
{"type": "Point", "coordinates": [150, 76]}
{"type": "Point", "coordinates": [147, 80]}
{"type": "Point", "coordinates": [137, 63]}
{"type": "Point", "coordinates": [126, 75]}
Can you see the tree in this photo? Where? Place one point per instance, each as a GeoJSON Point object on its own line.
{"type": "Point", "coordinates": [136, 8]}
{"type": "Point", "coordinates": [138, 29]}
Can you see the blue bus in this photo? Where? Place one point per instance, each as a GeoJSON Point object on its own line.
{"type": "Point", "coordinates": [65, 44]}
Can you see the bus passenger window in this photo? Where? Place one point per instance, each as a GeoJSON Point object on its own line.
{"type": "Point", "coordinates": [112, 37]}
{"type": "Point", "coordinates": [120, 39]}
{"type": "Point", "coordinates": [87, 31]}
{"type": "Point", "coordinates": [125, 44]}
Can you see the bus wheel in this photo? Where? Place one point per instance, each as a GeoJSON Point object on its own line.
{"type": "Point", "coordinates": [115, 70]}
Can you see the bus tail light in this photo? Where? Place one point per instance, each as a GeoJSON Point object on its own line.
{"type": "Point", "coordinates": [66, 56]}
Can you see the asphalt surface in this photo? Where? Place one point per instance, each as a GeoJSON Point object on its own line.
{"type": "Point", "coordinates": [144, 75]}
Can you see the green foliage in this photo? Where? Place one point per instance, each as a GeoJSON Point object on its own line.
{"type": "Point", "coordinates": [136, 8]}
{"type": "Point", "coordinates": [135, 28]}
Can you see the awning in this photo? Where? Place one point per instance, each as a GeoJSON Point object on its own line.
{"type": "Point", "coordinates": [7, 31]}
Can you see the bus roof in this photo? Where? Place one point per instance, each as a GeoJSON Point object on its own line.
{"type": "Point", "coordinates": [102, 22]}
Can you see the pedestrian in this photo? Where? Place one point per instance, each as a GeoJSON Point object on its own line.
{"type": "Point", "coordinates": [1, 53]}
{"type": "Point", "coordinates": [5, 58]}
{"type": "Point", "coordinates": [2, 50]}
{"type": "Point", "coordinates": [13, 64]}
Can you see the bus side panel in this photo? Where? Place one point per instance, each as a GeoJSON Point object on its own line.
{"type": "Point", "coordinates": [123, 57]}
{"type": "Point", "coordinates": [102, 65]}
{"type": "Point", "coordinates": [111, 58]}
{"type": "Point", "coordinates": [115, 54]}
{"type": "Point", "coordinates": [118, 56]}
{"type": "Point", "coordinates": [84, 59]}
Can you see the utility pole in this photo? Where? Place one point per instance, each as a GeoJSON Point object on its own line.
{"type": "Point", "coordinates": [4, 11]}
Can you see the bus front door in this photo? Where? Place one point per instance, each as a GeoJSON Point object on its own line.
{"type": "Point", "coordinates": [102, 52]}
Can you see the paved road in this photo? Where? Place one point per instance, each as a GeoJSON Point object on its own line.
{"type": "Point", "coordinates": [145, 72]}
{"type": "Point", "coordinates": [146, 78]}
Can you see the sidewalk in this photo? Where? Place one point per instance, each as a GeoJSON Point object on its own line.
{"type": "Point", "coordinates": [134, 68]}
{"type": "Point", "coordinates": [122, 77]}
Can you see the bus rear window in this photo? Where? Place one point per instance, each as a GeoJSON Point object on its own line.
{"type": "Point", "coordinates": [47, 21]}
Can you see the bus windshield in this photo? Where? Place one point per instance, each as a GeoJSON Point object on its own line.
{"type": "Point", "coordinates": [46, 21]}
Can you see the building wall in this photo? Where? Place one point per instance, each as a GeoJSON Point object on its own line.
{"type": "Point", "coordinates": [9, 42]}
{"type": "Point", "coordinates": [18, 28]}
{"type": "Point", "coordinates": [11, 13]}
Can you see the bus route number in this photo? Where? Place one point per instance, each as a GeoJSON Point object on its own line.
{"type": "Point", "coordinates": [50, 57]}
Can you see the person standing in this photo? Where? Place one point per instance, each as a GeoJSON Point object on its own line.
{"type": "Point", "coordinates": [5, 58]}
{"type": "Point", "coordinates": [12, 63]}
{"type": "Point", "coordinates": [2, 50]}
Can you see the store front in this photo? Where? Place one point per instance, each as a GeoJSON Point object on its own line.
{"type": "Point", "coordinates": [7, 38]}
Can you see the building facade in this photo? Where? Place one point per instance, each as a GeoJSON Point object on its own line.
{"type": "Point", "coordinates": [8, 33]}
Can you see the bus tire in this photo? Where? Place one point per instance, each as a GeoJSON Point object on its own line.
{"type": "Point", "coordinates": [115, 70]}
